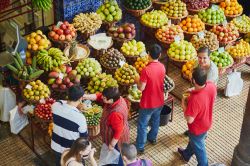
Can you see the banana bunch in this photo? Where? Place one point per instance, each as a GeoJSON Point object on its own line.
{"type": "Point", "coordinates": [52, 58]}
{"type": "Point", "coordinates": [42, 4]}
{"type": "Point", "coordinates": [87, 22]}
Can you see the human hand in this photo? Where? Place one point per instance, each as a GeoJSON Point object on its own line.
{"type": "Point", "coordinates": [20, 108]}
{"type": "Point", "coordinates": [190, 89]}
{"type": "Point", "coordinates": [91, 153]}
{"type": "Point", "coordinates": [137, 79]}
{"type": "Point", "coordinates": [111, 147]}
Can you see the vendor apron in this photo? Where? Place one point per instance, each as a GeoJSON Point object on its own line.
{"type": "Point", "coordinates": [107, 131]}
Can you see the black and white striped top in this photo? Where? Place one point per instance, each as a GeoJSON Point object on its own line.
{"type": "Point", "coordinates": [69, 124]}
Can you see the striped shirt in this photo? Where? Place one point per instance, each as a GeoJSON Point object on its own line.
{"type": "Point", "coordinates": [69, 124]}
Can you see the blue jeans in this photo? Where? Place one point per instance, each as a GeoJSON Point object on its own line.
{"type": "Point", "coordinates": [146, 115]}
{"type": "Point", "coordinates": [197, 146]}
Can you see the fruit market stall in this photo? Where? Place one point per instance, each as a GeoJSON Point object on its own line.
{"type": "Point", "coordinates": [98, 49]}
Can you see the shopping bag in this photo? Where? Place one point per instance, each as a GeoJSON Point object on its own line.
{"type": "Point", "coordinates": [17, 121]}
{"type": "Point", "coordinates": [234, 84]}
{"type": "Point", "coordinates": [107, 156]}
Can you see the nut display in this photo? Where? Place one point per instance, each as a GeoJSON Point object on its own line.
{"type": "Point", "coordinates": [87, 22]}
{"type": "Point", "coordinates": [111, 58]}
{"type": "Point", "coordinates": [192, 24]}
{"type": "Point", "coordinates": [140, 63]}
{"type": "Point", "coordinates": [154, 19]}
{"type": "Point", "coordinates": [241, 49]}
{"type": "Point", "coordinates": [221, 59]}
{"type": "Point", "coordinates": [175, 9]}
{"type": "Point", "coordinates": [35, 91]}
{"type": "Point", "coordinates": [242, 23]}
{"type": "Point", "coordinates": [101, 81]}
{"type": "Point", "coordinates": [212, 16]}
{"type": "Point", "coordinates": [88, 67]}
{"type": "Point", "coordinates": [209, 40]}
{"type": "Point", "coordinates": [231, 7]}
{"type": "Point", "coordinates": [166, 34]}
{"type": "Point", "coordinates": [126, 74]}
{"type": "Point", "coordinates": [137, 5]}
{"type": "Point", "coordinates": [125, 31]}
{"type": "Point", "coordinates": [110, 11]}
{"type": "Point", "coordinates": [168, 84]}
{"type": "Point", "coordinates": [225, 34]}
{"type": "Point", "coordinates": [181, 51]}
{"type": "Point", "coordinates": [133, 48]}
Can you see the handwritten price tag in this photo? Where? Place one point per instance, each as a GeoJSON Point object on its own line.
{"type": "Point", "coordinates": [221, 49]}
{"type": "Point", "coordinates": [59, 24]}
{"type": "Point", "coordinates": [215, 7]}
{"type": "Point", "coordinates": [61, 75]}
{"type": "Point", "coordinates": [143, 54]}
{"type": "Point", "coordinates": [224, 23]}
{"type": "Point", "coordinates": [169, 22]}
{"type": "Point", "coordinates": [121, 63]}
{"type": "Point", "coordinates": [201, 35]}
{"type": "Point", "coordinates": [42, 101]}
{"type": "Point", "coordinates": [177, 38]}
{"type": "Point", "coordinates": [28, 87]}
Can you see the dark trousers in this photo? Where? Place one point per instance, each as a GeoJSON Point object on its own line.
{"type": "Point", "coordinates": [58, 158]}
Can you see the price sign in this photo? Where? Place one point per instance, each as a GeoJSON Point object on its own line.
{"type": "Point", "coordinates": [42, 101]}
{"type": "Point", "coordinates": [28, 87]}
{"type": "Point", "coordinates": [121, 63]}
{"type": "Point", "coordinates": [238, 18]}
{"type": "Point", "coordinates": [221, 49]}
{"type": "Point", "coordinates": [169, 22]}
{"type": "Point", "coordinates": [59, 24]}
{"type": "Point", "coordinates": [87, 103]}
{"type": "Point", "coordinates": [201, 35]}
{"type": "Point", "coordinates": [224, 23]}
{"type": "Point", "coordinates": [143, 54]}
{"type": "Point", "coordinates": [215, 7]}
{"type": "Point", "coordinates": [61, 75]}
{"type": "Point", "coordinates": [177, 38]}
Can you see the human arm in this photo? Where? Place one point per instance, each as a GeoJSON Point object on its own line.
{"type": "Point", "coordinates": [83, 131]}
{"type": "Point", "coordinates": [90, 97]}
{"type": "Point", "coordinates": [213, 74]}
{"type": "Point", "coordinates": [191, 111]}
{"type": "Point", "coordinates": [141, 80]}
{"type": "Point", "coordinates": [20, 105]}
{"type": "Point", "coordinates": [91, 157]}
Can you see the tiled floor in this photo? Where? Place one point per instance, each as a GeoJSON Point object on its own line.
{"type": "Point", "coordinates": [221, 140]}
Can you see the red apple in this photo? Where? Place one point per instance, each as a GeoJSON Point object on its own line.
{"type": "Point", "coordinates": [73, 34]}
{"type": "Point", "coordinates": [59, 31]}
{"type": "Point", "coordinates": [56, 37]}
{"type": "Point", "coordinates": [62, 37]}
{"type": "Point", "coordinates": [63, 27]}
{"type": "Point", "coordinates": [52, 33]}
{"type": "Point", "coordinates": [67, 32]}
{"type": "Point", "coordinates": [68, 37]}
{"type": "Point", "coordinates": [66, 23]}
{"type": "Point", "coordinates": [54, 28]}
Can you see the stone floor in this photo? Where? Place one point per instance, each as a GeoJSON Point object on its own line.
{"type": "Point", "coordinates": [221, 140]}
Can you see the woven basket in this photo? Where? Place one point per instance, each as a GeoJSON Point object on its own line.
{"type": "Point", "coordinates": [138, 13]}
{"type": "Point", "coordinates": [106, 25]}
{"type": "Point", "coordinates": [93, 130]}
{"type": "Point", "coordinates": [216, 1]}
{"type": "Point", "coordinates": [61, 44]}
{"type": "Point", "coordinates": [157, 4]}
{"type": "Point", "coordinates": [222, 70]}
{"type": "Point", "coordinates": [240, 59]}
{"type": "Point", "coordinates": [131, 59]}
{"type": "Point", "coordinates": [195, 11]}
{"type": "Point", "coordinates": [85, 36]}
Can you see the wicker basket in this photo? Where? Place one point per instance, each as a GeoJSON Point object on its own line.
{"type": "Point", "coordinates": [138, 13]}
{"type": "Point", "coordinates": [61, 44]}
{"type": "Point", "coordinates": [130, 59]}
{"type": "Point", "coordinates": [118, 42]}
{"type": "Point", "coordinates": [216, 1]}
{"type": "Point", "coordinates": [195, 11]}
{"type": "Point", "coordinates": [240, 59]}
{"type": "Point", "coordinates": [94, 130]}
{"type": "Point", "coordinates": [106, 25]}
{"type": "Point", "coordinates": [157, 4]}
{"type": "Point", "coordinates": [85, 36]}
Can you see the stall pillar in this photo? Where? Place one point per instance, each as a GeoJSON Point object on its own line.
{"type": "Point", "coordinates": [241, 156]}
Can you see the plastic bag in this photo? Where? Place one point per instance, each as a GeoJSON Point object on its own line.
{"type": "Point", "coordinates": [17, 121]}
{"type": "Point", "coordinates": [107, 156]}
{"type": "Point", "coordinates": [234, 84]}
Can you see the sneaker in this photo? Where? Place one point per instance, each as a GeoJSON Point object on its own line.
{"type": "Point", "coordinates": [140, 151]}
{"type": "Point", "coordinates": [181, 152]}
{"type": "Point", "coordinates": [153, 142]}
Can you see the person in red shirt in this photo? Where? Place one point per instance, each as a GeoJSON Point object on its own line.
{"type": "Point", "coordinates": [114, 120]}
{"type": "Point", "coordinates": [151, 83]}
{"type": "Point", "coordinates": [198, 113]}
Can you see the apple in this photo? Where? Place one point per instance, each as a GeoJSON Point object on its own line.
{"type": "Point", "coordinates": [66, 23]}
{"type": "Point", "coordinates": [62, 37]}
{"type": "Point", "coordinates": [52, 33]}
{"type": "Point", "coordinates": [63, 27]}
{"type": "Point", "coordinates": [73, 34]}
{"type": "Point", "coordinates": [67, 32]}
{"type": "Point", "coordinates": [59, 31]}
{"type": "Point", "coordinates": [56, 37]}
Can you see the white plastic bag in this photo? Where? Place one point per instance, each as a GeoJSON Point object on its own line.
{"type": "Point", "coordinates": [234, 84]}
{"type": "Point", "coordinates": [107, 156]}
{"type": "Point", "coordinates": [17, 121]}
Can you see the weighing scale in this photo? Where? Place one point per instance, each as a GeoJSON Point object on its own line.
{"type": "Point", "coordinates": [14, 42]}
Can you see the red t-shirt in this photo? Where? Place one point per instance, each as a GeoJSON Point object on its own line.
{"type": "Point", "coordinates": [115, 119]}
{"type": "Point", "coordinates": [200, 107]}
{"type": "Point", "coordinates": [153, 94]}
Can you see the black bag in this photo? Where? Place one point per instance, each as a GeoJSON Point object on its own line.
{"type": "Point", "coordinates": [165, 115]}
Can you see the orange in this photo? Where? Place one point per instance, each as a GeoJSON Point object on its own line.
{"type": "Point", "coordinates": [184, 28]}
{"type": "Point", "coordinates": [190, 29]}
{"type": "Point", "coordinates": [199, 29]}
{"type": "Point", "coordinates": [231, 12]}
{"type": "Point", "coordinates": [184, 68]}
{"type": "Point", "coordinates": [188, 19]}
{"type": "Point", "coordinates": [187, 72]}
{"type": "Point", "coordinates": [38, 38]}
{"type": "Point", "coordinates": [189, 66]}
{"type": "Point", "coordinates": [223, 4]}
{"type": "Point", "coordinates": [189, 25]}
{"type": "Point", "coordinates": [29, 61]}
{"type": "Point", "coordinates": [34, 47]}
{"type": "Point", "coordinates": [195, 30]}
{"type": "Point", "coordinates": [194, 25]}
{"type": "Point", "coordinates": [183, 22]}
